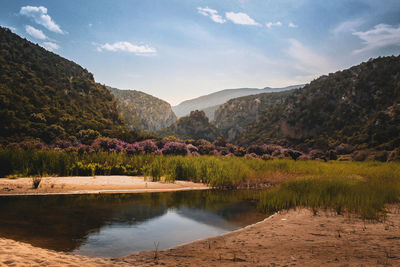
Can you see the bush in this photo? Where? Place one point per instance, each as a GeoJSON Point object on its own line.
{"type": "Point", "coordinates": [360, 155]}
{"type": "Point", "coordinates": [175, 148]}
{"type": "Point", "coordinates": [36, 182]}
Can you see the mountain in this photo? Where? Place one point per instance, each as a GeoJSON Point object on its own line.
{"type": "Point", "coordinates": [194, 126]}
{"type": "Point", "coordinates": [358, 106]}
{"type": "Point", "coordinates": [210, 112]}
{"type": "Point", "coordinates": [234, 116]}
{"type": "Point", "coordinates": [142, 111]}
{"type": "Point", "coordinates": [220, 97]}
{"type": "Point", "coordinates": [43, 95]}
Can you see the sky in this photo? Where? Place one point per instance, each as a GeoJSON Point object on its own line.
{"type": "Point", "coordinates": [178, 50]}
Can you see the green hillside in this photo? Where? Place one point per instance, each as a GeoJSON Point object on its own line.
{"type": "Point", "coordinates": [358, 106]}
{"type": "Point", "coordinates": [43, 95]}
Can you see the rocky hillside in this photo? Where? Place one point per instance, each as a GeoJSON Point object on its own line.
{"type": "Point", "coordinates": [220, 97]}
{"type": "Point", "coordinates": [194, 126]}
{"type": "Point", "coordinates": [43, 95]}
{"type": "Point", "coordinates": [142, 111]}
{"type": "Point", "coordinates": [359, 106]}
{"type": "Point", "coordinates": [234, 116]}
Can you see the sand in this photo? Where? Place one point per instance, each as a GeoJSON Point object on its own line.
{"type": "Point", "coordinates": [97, 184]}
{"type": "Point", "coordinates": [294, 238]}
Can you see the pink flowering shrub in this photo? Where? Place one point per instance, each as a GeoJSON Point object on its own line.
{"type": "Point", "coordinates": [175, 148]}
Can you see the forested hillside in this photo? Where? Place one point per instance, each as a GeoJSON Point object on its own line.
{"type": "Point", "coordinates": [43, 95]}
{"type": "Point", "coordinates": [143, 112]}
{"type": "Point", "coordinates": [358, 106]}
{"type": "Point", "coordinates": [235, 115]}
{"type": "Point", "coordinates": [194, 126]}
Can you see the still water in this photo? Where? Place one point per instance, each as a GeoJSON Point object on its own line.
{"type": "Point", "coordinates": [113, 225]}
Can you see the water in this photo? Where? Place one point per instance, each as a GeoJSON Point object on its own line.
{"type": "Point", "coordinates": [113, 225]}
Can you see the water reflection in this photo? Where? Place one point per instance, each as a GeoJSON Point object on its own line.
{"type": "Point", "coordinates": [118, 224]}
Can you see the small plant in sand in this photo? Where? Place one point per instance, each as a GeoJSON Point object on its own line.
{"type": "Point", "coordinates": [36, 182]}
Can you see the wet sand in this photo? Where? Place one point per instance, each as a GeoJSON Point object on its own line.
{"type": "Point", "coordinates": [294, 238]}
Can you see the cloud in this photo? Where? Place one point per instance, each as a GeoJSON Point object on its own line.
{"type": "Point", "coordinates": [51, 46]}
{"type": "Point", "coordinates": [241, 18]}
{"type": "Point", "coordinates": [271, 24]}
{"type": "Point", "coordinates": [292, 25]}
{"type": "Point", "coordinates": [139, 50]}
{"type": "Point", "coordinates": [212, 13]}
{"type": "Point", "coordinates": [307, 60]}
{"type": "Point", "coordinates": [347, 26]}
{"type": "Point", "coordinates": [40, 16]}
{"type": "Point", "coordinates": [380, 36]}
{"type": "Point", "coordinates": [38, 34]}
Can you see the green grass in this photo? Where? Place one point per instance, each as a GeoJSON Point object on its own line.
{"type": "Point", "coordinates": [361, 187]}
{"type": "Point", "coordinates": [364, 189]}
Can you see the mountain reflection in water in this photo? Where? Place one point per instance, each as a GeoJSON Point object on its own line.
{"type": "Point", "coordinates": [118, 224]}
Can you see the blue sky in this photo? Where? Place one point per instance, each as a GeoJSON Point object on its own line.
{"type": "Point", "coordinates": [178, 50]}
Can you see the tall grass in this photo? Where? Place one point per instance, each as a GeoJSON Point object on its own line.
{"type": "Point", "coordinates": [365, 194]}
{"type": "Point", "coordinates": [361, 187]}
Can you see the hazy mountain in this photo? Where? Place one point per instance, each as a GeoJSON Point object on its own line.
{"type": "Point", "coordinates": [220, 97]}
{"type": "Point", "coordinates": [359, 106]}
{"type": "Point", "coordinates": [235, 115]}
{"type": "Point", "coordinates": [194, 126]}
{"type": "Point", "coordinates": [43, 95]}
{"type": "Point", "coordinates": [210, 112]}
{"type": "Point", "coordinates": [142, 111]}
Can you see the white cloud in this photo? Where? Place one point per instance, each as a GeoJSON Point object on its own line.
{"type": "Point", "coordinates": [40, 16]}
{"type": "Point", "coordinates": [241, 18]}
{"type": "Point", "coordinates": [139, 50]}
{"type": "Point", "coordinates": [347, 26]}
{"type": "Point", "coordinates": [32, 31]}
{"type": "Point", "coordinates": [271, 24]}
{"type": "Point", "coordinates": [307, 60]}
{"type": "Point", "coordinates": [292, 25]}
{"type": "Point", "coordinates": [51, 46]}
{"type": "Point", "coordinates": [212, 13]}
{"type": "Point", "coordinates": [380, 36]}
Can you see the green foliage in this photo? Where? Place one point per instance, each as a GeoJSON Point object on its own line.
{"type": "Point", "coordinates": [358, 106]}
{"type": "Point", "coordinates": [43, 95]}
{"type": "Point", "coordinates": [193, 126]}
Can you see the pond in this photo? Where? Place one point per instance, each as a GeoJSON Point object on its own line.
{"type": "Point", "coordinates": [113, 225]}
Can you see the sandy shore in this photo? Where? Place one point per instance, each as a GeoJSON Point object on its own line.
{"type": "Point", "coordinates": [97, 184]}
{"type": "Point", "coordinates": [285, 239]}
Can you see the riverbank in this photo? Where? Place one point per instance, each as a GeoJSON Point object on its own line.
{"type": "Point", "coordinates": [284, 239]}
{"type": "Point", "coordinates": [96, 184]}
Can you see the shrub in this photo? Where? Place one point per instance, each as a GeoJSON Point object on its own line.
{"type": "Point", "coordinates": [360, 155]}
{"type": "Point", "coordinates": [175, 148]}
{"type": "Point", "coordinates": [36, 182]}
{"type": "Point", "coordinates": [148, 146]}
{"type": "Point", "coordinates": [257, 149]}
{"type": "Point", "coordinates": [344, 149]}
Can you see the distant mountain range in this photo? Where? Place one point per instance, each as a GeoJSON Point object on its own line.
{"type": "Point", "coordinates": [210, 102]}
{"type": "Point", "coordinates": [143, 112]}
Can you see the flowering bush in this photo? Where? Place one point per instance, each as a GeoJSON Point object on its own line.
{"type": "Point", "coordinates": [148, 146]}
{"type": "Point", "coordinates": [134, 149]}
{"type": "Point", "coordinates": [175, 148]}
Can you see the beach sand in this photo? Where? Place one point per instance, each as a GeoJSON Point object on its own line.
{"type": "Point", "coordinates": [293, 238]}
{"type": "Point", "coordinates": [97, 184]}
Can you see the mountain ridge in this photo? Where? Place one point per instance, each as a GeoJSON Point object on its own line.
{"type": "Point", "coordinates": [220, 97]}
{"type": "Point", "coordinates": [142, 111]}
